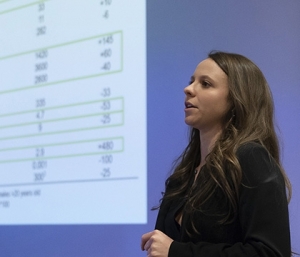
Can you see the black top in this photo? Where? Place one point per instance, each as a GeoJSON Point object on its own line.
{"type": "Point", "coordinates": [261, 227]}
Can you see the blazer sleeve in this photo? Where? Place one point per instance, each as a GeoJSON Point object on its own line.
{"type": "Point", "coordinates": [263, 212]}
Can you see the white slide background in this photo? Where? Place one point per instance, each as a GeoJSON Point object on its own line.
{"type": "Point", "coordinates": [73, 112]}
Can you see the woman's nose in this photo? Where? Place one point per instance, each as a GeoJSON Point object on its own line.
{"type": "Point", "coordinates": [188, 90]}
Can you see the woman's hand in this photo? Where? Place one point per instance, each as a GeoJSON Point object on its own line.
{"type": "Point", "coordinates": [156, 243]}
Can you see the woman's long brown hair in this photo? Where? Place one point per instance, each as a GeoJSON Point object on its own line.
{"type": "Point", "coordinates": [251, 119]}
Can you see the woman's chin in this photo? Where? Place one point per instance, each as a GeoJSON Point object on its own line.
{"type": "Point", "coordinates": [189, 121]}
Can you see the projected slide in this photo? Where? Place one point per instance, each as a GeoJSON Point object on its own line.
{"type": "Point", "coordinates": [73, 112]}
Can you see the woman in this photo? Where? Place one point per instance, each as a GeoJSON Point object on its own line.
{"type": "Point", "coordinates": [227, 194]}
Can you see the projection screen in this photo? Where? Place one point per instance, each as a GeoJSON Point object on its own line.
{"type": "Point", "coordinates": [91, 111]}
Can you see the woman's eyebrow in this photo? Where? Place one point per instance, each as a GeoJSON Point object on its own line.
{"type": "Point", "coordinates": [205, 77]}
{"type": "Point", "coordinates": [202, 77]}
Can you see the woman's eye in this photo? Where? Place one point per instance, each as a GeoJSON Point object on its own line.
{"type": "Point", "coordinates": [205, 84]}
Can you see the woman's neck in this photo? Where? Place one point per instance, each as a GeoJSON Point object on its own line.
{"type": "Point", "coordinates": [208, 139]}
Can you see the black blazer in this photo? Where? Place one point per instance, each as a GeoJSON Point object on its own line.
{"type": "Point", "coordinates": [261, 227]}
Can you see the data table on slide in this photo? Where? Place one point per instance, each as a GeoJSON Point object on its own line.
{"type": "Point", "coordinates": [72, 112]}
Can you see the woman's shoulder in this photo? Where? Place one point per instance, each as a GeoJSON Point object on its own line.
{"type": "Point", "coordinates": [253, 152]}
{"type": "Point", "coordinates": [257, 164]}
{"type": "Point", "coordinates": [250, 147]}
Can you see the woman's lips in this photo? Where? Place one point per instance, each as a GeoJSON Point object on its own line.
{"type": "Point", "coordinates": [189, 105]}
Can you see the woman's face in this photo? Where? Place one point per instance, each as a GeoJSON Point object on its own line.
{"type": "Point", "coordinates": [206, 101]}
